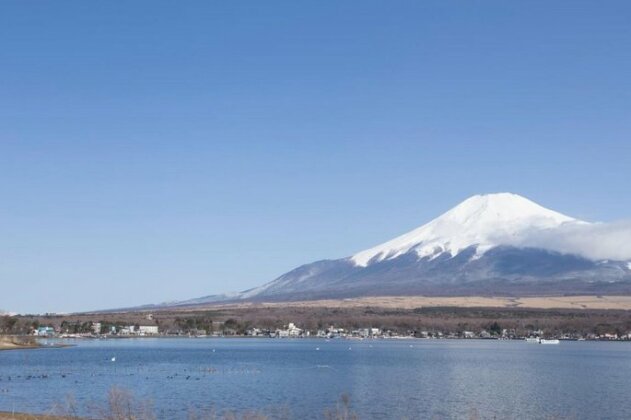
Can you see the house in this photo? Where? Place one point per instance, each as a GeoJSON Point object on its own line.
{"type": "Point", "coordinates": [291, 331]}
{"type": "Point", "coordinates": [126, 331]}
{"type": "Point", "coordinates": [254, 332]}
{"type": "Point", "coordinates": [468, 334]}
{"type": "Point", "coordinates": [333, 332]}
{"type": "Point", "coordinates": [294, 331]}
{"type": "Point", "coordinates": [148, 329]}
{"type": "Point", "coordinates": [96, 328]}
{"type": "Point", "coordinates": [45, 331]}
{"type": "Point", "coordinates": [196, 332]}
{"type": "Point", "coordinates": [362, 332]}
{"type": "Point", "coordinates": [282, 333]}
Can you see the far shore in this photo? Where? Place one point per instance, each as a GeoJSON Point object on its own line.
{"type": "Point", "coordinates": [599, 317]}
{"type": "Point", "coordinates": [24, 343]}
{"type": "Point", "coordinates": [4, 415]}
{"type": "Point", "coordinates": [18, 343]}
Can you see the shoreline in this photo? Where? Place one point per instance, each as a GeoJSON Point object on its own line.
{"type": "Point", "coordinates": [18, 343]}
{"type": "Point", "coordinates": [313, 337]}
{"type": "Point", "coordinates": [393, 316]}
{"type": "Point", "coordinates": [5, 415]}
{"type": "Point", "coordinates": [56, 346]}
{"type": "Point", "coordinates": [25, 343]}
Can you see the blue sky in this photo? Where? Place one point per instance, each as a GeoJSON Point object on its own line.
{"type": "Point", "coordinates": [152, 151]}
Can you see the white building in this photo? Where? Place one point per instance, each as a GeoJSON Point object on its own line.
{"type": "Point", "coordinates": [293, 330]}
{"type": "Point", "coordinates": [127, 330]}
{"type": "Point", "coordinates": [148, 329]}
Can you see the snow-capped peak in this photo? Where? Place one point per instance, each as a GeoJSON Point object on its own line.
{"type": "Point", "coordinates": [484, 221]}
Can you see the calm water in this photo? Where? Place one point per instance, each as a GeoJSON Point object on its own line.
{"type": "Point", "coordinates": [385, 378]}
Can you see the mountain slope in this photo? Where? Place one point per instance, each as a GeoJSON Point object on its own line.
{"type": "Point", "coordinates": [482, 246]}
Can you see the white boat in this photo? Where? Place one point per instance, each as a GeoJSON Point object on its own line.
{"type": "Point", "coordinates": [532, 340]}
{"type": "Point", "coordinates": [555, 341]}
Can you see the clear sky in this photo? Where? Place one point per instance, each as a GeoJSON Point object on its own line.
{"type": "Point", "coordinates": [160, 150]}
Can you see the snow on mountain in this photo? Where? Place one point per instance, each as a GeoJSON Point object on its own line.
{"type": "Point", "coordinates": [494, 244]}
{"type": "Point", "coordinates": [483, 221]}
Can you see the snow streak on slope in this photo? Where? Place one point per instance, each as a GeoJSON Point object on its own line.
{"type": "Point", "coordinates": [483, 221]}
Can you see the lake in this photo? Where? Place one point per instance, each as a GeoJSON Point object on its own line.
{"type": "Point", "coordinates": [385, 379]}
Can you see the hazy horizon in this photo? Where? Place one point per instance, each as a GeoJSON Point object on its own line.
{"type": "Point", "coordinates": [154, 152]}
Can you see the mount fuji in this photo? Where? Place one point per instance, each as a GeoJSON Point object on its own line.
{"type": "Point", "coordinates": [494, 244]}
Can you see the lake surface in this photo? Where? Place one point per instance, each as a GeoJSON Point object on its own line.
{"type": "Point", "coordinates": [385, 379]}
